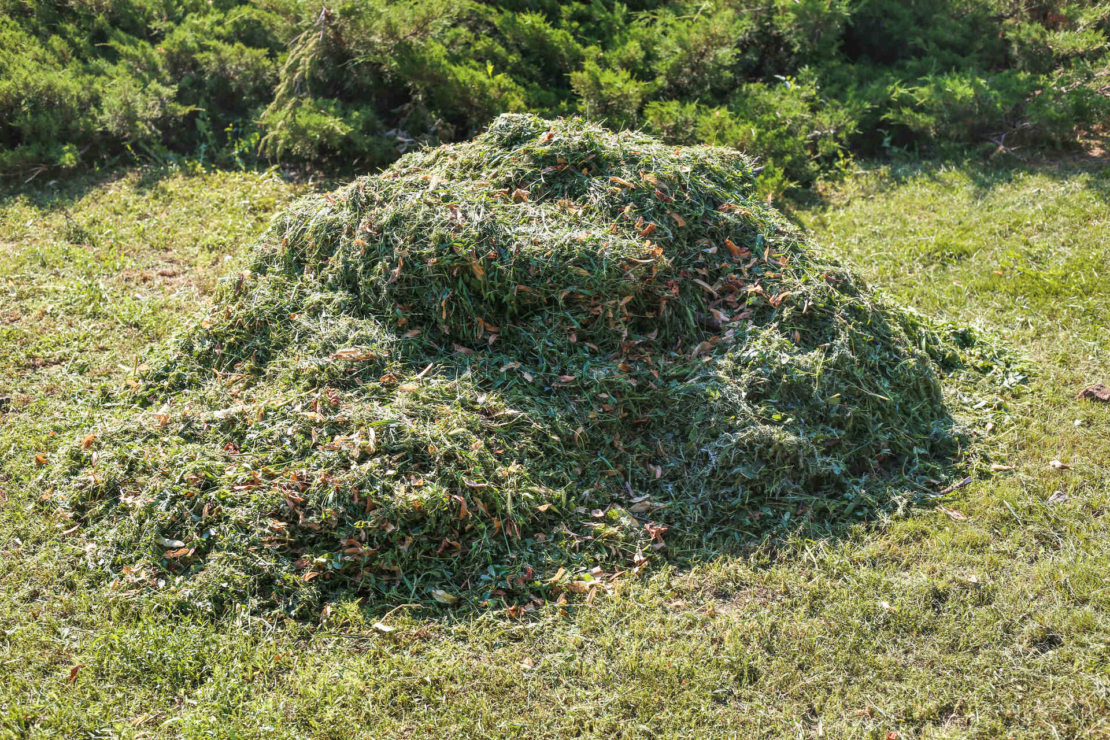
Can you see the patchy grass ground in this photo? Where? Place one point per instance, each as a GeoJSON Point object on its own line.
{"type": "Point", "coordinates": [989, 620]}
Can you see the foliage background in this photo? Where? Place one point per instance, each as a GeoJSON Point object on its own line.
{"type": "Point", "coordinates": [349, 86]}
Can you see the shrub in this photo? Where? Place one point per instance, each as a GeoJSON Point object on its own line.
{"type": "Point", "coordinates": [354, 84]}
{"type": "Point", "coordinates": [316, 129]}
{"type": "Point", "coordinates": [103, 77]}
{"type": "Point", "coordinates": [43, 104]}
{"type": "Point", "coordinates": [795, 131]}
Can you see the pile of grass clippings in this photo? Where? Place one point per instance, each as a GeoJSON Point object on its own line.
{"type": "Point", "coordinates": [500, 365]}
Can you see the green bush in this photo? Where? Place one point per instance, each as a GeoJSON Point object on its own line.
{"type": "Point", "coordinates": [798, 132]}
{"type": "Point", "coordinates": [352, 85]}
{"type": "Point", "coordinates": [43, 104]}
{"type": "Point", "coordinates": [102, 77]}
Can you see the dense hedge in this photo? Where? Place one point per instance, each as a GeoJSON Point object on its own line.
{"type": "Point", "coordinates": [352, 85]}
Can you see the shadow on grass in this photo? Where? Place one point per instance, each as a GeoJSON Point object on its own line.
{"type": "Point", "coordinates": [65, 193]}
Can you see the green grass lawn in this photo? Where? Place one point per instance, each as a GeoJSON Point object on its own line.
{"type": "Point", "coordinates": [989, 620]}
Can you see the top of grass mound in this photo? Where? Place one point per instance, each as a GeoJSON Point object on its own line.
{"type": "Point", "coordinates": [551, 347]}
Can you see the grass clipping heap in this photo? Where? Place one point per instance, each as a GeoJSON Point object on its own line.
{"type": "Point", "coordinates": [546, 350]}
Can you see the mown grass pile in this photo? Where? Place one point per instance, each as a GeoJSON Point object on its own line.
{"type": "Point", "coordinates": [500, 365]}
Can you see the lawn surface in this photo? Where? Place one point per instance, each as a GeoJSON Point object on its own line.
{"type": "Point", "coordinates": [989, 617]}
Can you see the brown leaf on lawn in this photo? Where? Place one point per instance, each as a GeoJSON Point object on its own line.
{"type": "Point", "coordinates": [957, 515]}
{"type": "Point", "coordinates": [1057, 465]}
{"type": "Point", "coordinates": [705, 286]}
{"type": "Point", "coordinates": [954, 487]}
{"type": "Point", "coordinates": [727, 207]}
{"type": "Point", "coordinates": [777, 299]}
{"type": "Point", "coordinates": [1096, 392]}
{"type": "Point", "coordinates": [353, 354]}
{"type": "Point", "coordinates": [74, 671]}
{"type": "Point", "coordinates": [41, 460]}
{"type": "Point", "coordinates": [679, 220]}
{"type": "Point", "coordinates": [463, 511]}
{"type": "Point", "coordinates": [705, 346]}
{"type": "Point", "coordinates": [87, 442]}
{"type": "Point", "coordinates": [395, 273]}
{"type": "Point", "coordinates": [1000, 468]}
{"type": "Point", "coordinates": [487, 326]}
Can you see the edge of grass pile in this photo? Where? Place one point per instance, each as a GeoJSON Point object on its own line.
{"type": "Point", "coordinates": [500, 365]}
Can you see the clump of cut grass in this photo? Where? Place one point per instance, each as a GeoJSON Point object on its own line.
{"type": "Point", "coordinates": [551, 349]}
